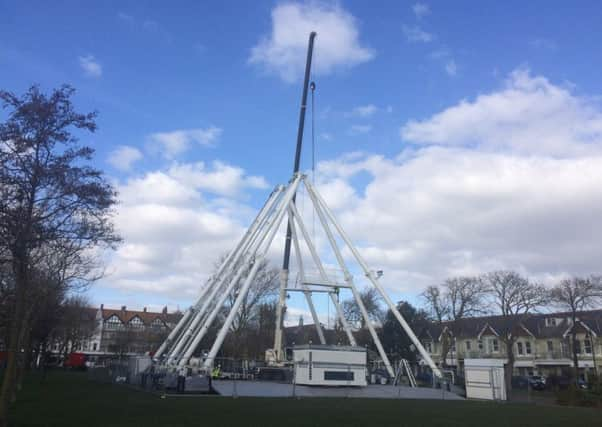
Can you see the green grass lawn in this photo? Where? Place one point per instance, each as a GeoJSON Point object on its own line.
{"type": "Point", "coordinates": [70, 399]}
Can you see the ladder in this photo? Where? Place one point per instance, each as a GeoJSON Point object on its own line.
{"type": "Point", "coordinates": [404, 365]}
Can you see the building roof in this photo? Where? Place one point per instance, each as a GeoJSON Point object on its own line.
{"type": "Point", "coordinates": [146, 316]}
{"type": "Point", "coordinates": [531, 325]}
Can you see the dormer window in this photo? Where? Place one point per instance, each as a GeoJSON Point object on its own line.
{"type": "Point", "coordinates": [114, 322]}
{"type": "Point", "coordinates": [136, 322]}
{"type": "Point", "coordinates": [551, 321]}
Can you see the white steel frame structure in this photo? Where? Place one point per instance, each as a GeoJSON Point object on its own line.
{"type": "Point", "coordinates": [237, 272]}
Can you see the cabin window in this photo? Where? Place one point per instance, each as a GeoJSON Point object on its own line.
{"type": "Point", "coordinates": [338, 375]}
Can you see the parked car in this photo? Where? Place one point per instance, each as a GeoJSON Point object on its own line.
{"type": "Point", "coordinates": [537, 382]}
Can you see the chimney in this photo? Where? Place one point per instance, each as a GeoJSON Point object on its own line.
{"type": "Point", "coordinates": [123, 308]}
{"type": "Point", "coordinates": [301, 321]}
{"type": "Point", "coordinates": [144, 310]}
{"type": "Point", "coordinates": [165, 310]}
{"type": "Point", "coordinates": [102, 307]}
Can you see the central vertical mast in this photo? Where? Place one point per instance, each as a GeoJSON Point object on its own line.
{"type": "Point", "coordinates": [287, 243]}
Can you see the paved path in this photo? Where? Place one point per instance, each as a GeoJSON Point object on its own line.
{"type": "Point", "coordinates": [271, 389]}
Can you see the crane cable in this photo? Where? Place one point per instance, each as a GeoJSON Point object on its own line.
{"type": "Point", "coordinates": [312, 86]}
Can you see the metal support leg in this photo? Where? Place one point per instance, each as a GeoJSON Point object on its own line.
{"type": "Point", "coordinates": [349, 280]}
{"type": "Point", "coordinates": [294, 213]}
{"type": "Point", "coordinates": [307, 292]}
{"type": "Point", "coordinates": [319, 203]}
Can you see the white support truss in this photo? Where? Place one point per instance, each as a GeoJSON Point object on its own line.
{"type": "Point", "coordinates": [236, 274]}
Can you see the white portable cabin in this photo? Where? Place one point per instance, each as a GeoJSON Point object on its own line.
{"type": "Point", "coordinates": [330, 365]}
{"type": "Point", "coordinates": [485, 379]}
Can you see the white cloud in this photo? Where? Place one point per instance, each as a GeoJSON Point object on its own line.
{"type": "Point", "coordinates": [176, 223]}
{"type": "Point", "coordinates": [360, 129]}
{"type": "Point", "coordinates": [124, 156]}
{"type": "Point", "coordinates": [90, 66]}
{"type": "Point", "coordinates": [283, 51]}
{"type": "Point", "coordinates": [176, 142]}
{"type": "Point", "coordinates": [415, 34]}
{"type": "Point", "coordinates": [510, 180]}
{"type": "Point", "coordinates": [421, 10]}
{"type": "Point", "coordinates": [543, 43]}
{"type": "Point", "coordinates": [438, 212]}
{"type": "Point", "coordinates": [528, 115]}
{"type": "Point", "coordinates": [363, 111]}
{"type": "Point", "coordinates": [451, 68]}
{"type": "Point", "coordinates": [223, 179]}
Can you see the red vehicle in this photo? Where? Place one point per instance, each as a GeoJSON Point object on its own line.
{"type": "Point", "coordinates": [75, 361]}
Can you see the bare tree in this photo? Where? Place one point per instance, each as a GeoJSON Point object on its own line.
{"type": "Point", "coordinates": [371, 300]}
{"type": "Point", "coordinates": [515, 298]}
{"type": "Point", "coordinates": [455, 299]}
{"type": "Point", "coordinates": [263, 289]}
{"type": "Point", "coordinates": [51, 200]}
{"type": "Point", "coordinates": [574, 295]}
{"type": "Point", "coordinates": [436, 304]}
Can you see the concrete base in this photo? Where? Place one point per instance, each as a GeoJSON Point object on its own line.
{"type": "Point", "coordinates": [270, 389]}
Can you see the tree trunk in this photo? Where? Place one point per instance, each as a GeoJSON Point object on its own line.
{"type": "Point", "coordinates": [509, 368]}
{"type": "Point", "coordinates": [8, 383]}
{"type": "Point", "coordinates": [25, 341]}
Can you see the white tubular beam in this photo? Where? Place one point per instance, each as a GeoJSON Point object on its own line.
{"type": "Point", "coordinates": [343, 321]}
{"type": "Point", "coordinates": [250, 249]}
{"type": "Point", "coordinates": [306, 292]}
{"type": "Point", "coordinates": [370, 275]}
{"type": "Point", "coordinates": [175, 331]}
{"type": "Point", "coordinates": [221, 276]}
{"type": "Point", "coordinates": [272, 230]}
{"type": "Point", "coordinates": [190, 349]}
{"type": "Point", "coordinates": [349, 280]}
{"type": "Point", "coordinates": [318, 262]}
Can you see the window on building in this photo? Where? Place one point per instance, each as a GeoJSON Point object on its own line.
{"type": "Point", "coordinates": [528, 347]}
{"type": "Point", "coordinates": [494, 345]}
{"type": "Point", "coordinates": [114, 322]}
{"type": "Point", "coordinates": [428, 346]}
{"type": "Point", "coordinates": [587, 346]}
{"type": "Point", "coordinates": [577, 346]}
{"type": "Point", "coordinates": [338, 375]}
{"type": "Point", "coordinates": [519, 347]}
{"type": "Point", "coordinates": [550, 346]}
{"type": "Point", "coordinates": [468, 344]}
{"type": "Point", "coordinates": [158, 323]}
{"type": "Point", "coordinates": [136, 322]}
{"type": "Point", "coordinates": [480, 344]}
{"type": "Point", "coordinates": [94, 347]}
{"type": "Point", "coordinates": [550, 321]}
{"type": "Point", "coordinates": [453, 347]}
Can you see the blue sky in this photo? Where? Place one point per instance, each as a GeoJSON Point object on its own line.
{"type": "Point", "coordinates": [451, 90]}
